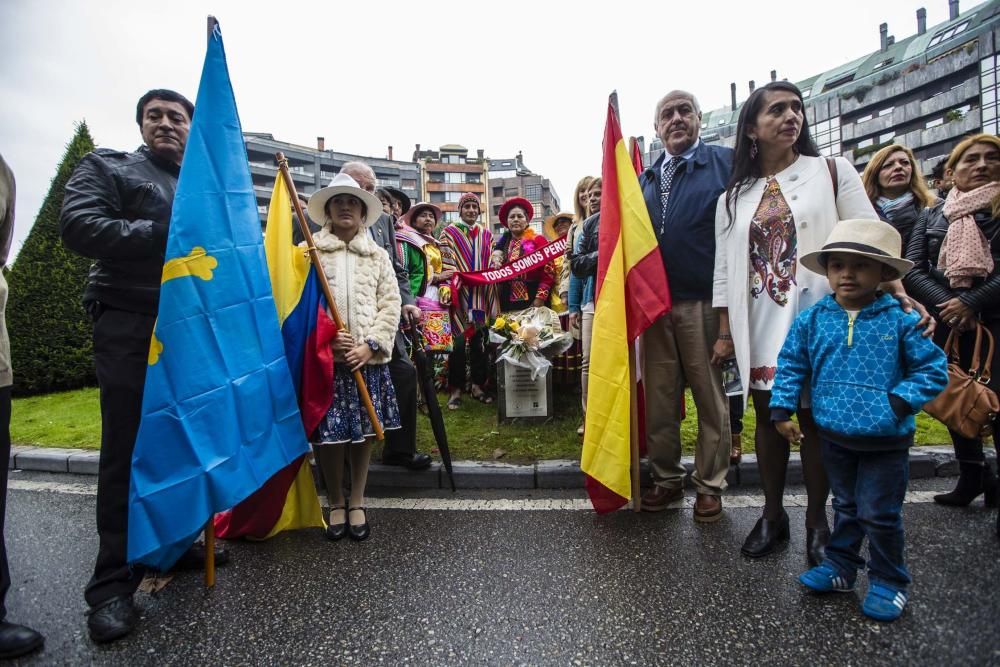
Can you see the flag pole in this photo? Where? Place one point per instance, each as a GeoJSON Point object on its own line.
{"type": "Point", "coordinates": [210, 553]}
{"type": "Point", "coordinates": [314, 258]}
{"type": "Point", "coordinates": [633, 432]}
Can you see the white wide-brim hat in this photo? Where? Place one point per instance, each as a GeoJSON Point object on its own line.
{"type": "Point", "coordinates": [344, 184]}
{"type": "Point", "coordinates": [874, 239]}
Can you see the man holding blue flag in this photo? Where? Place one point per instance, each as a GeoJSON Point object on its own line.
{"type": "Point", "coordinates": [117, 211]}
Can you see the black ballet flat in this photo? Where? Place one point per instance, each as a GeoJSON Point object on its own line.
{"type": "Point", "coordinates": [362, 531]}
{"type": "Point", "coordinates": [336, 531]}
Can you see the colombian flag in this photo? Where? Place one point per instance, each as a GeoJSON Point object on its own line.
{"type": "Point", "coordinates": [288, 500]}
{"type": "Point", "coordinates": [631, 294]}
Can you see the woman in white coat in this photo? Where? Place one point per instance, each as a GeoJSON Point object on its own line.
{"type": "Point", "coordinates": [782, 201]}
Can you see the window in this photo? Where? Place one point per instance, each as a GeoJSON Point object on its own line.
{"type": "Point", "coordinates": [839, 81]}
{"type": "Point", "coordinates": [933, 123]}
{"type": "Point", "coordinates": [473, 178]}
{"type": "Point", "coordinates": [435, 176]}
{"type": "Point", "coordinates": [704, 125]}
{"type": "Point", "coordinates": [409, 184]}
{"type": "Point", "coordinates": [387, 182]}
{"type": "Point", "coordinates": [533, 192]}
{"type": "Point", "coordinates": [454, 177]}
{"type": "Point", "coordinates": [452, 197]}
{"type": "Point", "coordinates": [450, 216]}
{"type": "Point", "coordinates": [510, 192]}
{"type": "Point", "coordinates": [865, 143]}
{"type": "Point", "coordinates": [988, 75]}
{"type": "Point", "coordinates": [498, 191]}
{"type": "Point", "coordinates": [806, 93]}
{"type": "Point", "coordinates": [864, 119]}
{"type": "Point", "coordinates": [882, 64]}
{"type": "Point", "coordinates": [885, 112]}
{"type": "Point", "coordinates": [437, 197]}
{"type": "Point", "coordinates": [826, 133]}
{"type": "Point", "coordinates": [948, 34]}
{"type": "Point", "coordinates": [886, 138]}
{"type": "Point", "coordinates": [722, 121]}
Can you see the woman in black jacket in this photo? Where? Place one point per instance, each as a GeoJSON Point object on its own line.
{"type": "Point", "coordinates": [955, 248]}
{"type": "Point", "coordinates": [896, 188]}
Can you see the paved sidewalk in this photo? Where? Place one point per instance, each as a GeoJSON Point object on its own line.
{"type": "Point", "coordinates": [925, 462]}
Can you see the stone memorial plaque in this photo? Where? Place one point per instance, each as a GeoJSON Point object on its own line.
{"type": "Point", "coordinates": [521, 397]}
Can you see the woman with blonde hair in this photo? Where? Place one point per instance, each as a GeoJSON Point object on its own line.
{"type": "Point", "coordinates": [896, 188]}
{"type": "Point", "coordinates": [579, 213]}
{"type": "Point", "coordinates": [955, 248]}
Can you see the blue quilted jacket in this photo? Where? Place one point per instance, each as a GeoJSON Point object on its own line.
{"type": "Point", "coordinates": [868, 376]}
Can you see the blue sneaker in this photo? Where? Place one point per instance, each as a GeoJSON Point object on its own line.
{"type": "Point", "coordinates": [883, 603]}
{"type": "Point", "coordinates": [825, 579]}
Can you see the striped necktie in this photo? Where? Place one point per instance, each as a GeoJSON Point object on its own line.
{"type": "Point", "coordinates": [666, 182]}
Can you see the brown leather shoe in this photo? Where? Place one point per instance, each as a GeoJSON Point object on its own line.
{"type": "Point", "coordinates": [736, 451]}
{"type": "Point", "coordinates": [707, 508]}
{"type": "Point", "coordinates": [658, 499]}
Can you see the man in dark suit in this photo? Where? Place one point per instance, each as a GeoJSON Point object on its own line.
{"type": "Point", "coordinates": [400, 445]}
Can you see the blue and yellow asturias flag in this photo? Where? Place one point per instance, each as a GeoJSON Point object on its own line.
{"type": "Point", "coordinates": [219, 412]}
{"type": "Point", "coordinates": [288, 501]}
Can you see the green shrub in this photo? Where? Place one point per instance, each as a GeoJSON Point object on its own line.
{"type": "Point", "coordinates": [50, 334]}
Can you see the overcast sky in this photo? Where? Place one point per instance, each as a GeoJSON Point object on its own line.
{"type": "Point", "coordinates": [502, 76]}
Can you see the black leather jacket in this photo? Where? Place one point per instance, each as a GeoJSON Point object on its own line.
{"type": "Point", "coordinates": [117, 211]}
{"type": "Point", "coordinates": [926, 283]}
{"type": "Point", "coordinates": [584, 263]}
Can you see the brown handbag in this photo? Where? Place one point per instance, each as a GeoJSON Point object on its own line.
{"type": "Point", "coordinates": [967, 405]}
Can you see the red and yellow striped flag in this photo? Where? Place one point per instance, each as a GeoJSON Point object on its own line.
{"type": "Point", "coordinates": [631, 294]}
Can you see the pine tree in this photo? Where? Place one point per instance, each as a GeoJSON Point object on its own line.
{"type": "Point", "coordinates": [50, 334]}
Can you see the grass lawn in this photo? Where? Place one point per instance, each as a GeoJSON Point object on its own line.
{"type": "Point", "coordinates": [73, 419]}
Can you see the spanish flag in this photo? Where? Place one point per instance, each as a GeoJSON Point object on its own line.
{"type": "Point", "coordinates": [631, 294]}
{"type": "Point", "coordinates": [288, 500]}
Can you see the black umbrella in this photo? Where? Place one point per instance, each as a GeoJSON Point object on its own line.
{"type": "Point", "coordinates": [426, 376]}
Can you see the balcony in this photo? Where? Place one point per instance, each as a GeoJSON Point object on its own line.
{"type": "Point", "coordinates": [919, 138]}
{"type": "Point", "coordinates": [893, 84]}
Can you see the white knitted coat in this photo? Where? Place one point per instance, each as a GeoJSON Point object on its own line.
{"type": "Point", "coordinates": [364, 287]}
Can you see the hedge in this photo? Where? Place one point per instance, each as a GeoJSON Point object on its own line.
{"type": "Point", "coordinates": [50, 334]}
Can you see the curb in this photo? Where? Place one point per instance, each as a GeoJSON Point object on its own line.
{"type": "Point", "coordinates": [925, 462]}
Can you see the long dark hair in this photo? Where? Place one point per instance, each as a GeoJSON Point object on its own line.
{"type": "Point", "coordinates": [745, 169]}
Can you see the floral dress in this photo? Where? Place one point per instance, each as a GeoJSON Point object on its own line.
{"type": "Point", "coordinates": [773, 294]}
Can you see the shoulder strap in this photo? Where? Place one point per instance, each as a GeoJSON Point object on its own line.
{"type": "Point", "coordinates": [831, 164]}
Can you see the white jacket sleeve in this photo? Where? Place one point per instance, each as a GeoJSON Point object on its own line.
{"type": "Point", "coordinates": [852, 200]}
{"type": "Point", "coordinates": [720, 279]}
{"type": "Point", "coordinates": [389, 305]}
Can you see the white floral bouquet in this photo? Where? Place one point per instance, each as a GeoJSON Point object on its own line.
{"type": "Point", "coordinates": [530, 338]}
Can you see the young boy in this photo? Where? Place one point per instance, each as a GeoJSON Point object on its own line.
{"type": "Point", "coordinates": [869, 370]}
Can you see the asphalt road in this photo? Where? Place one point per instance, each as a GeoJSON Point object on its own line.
{"type": "Point", "coordinates": [482, 585]}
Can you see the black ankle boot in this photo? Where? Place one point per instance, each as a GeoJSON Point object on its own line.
{"type": "Point", "coordinates": [991, 487]}
{"type": "Point", "coordinates": [973, 480]}
{"type": "Point", "coordinates": [766, 536]}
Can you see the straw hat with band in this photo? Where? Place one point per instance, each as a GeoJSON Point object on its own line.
{"type": "Point", "coordinates": [874, 239]}
{"type": "Point", "coordinates": [415, 211]}
{"type": "Point", "coordinates": [549, 227]}
{"type": "Point", "coordinates": [399, 195]}
{"type": "Point", "coordinates": [344, 184]}
{"type": "Point", "coordinates": [529, 210]}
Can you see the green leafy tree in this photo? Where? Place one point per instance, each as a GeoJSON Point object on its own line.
{"type": "Point", "coordinates": [50, 334]}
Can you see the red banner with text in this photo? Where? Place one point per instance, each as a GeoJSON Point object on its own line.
{"type": "Point", "coordinates": [518, 267]}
